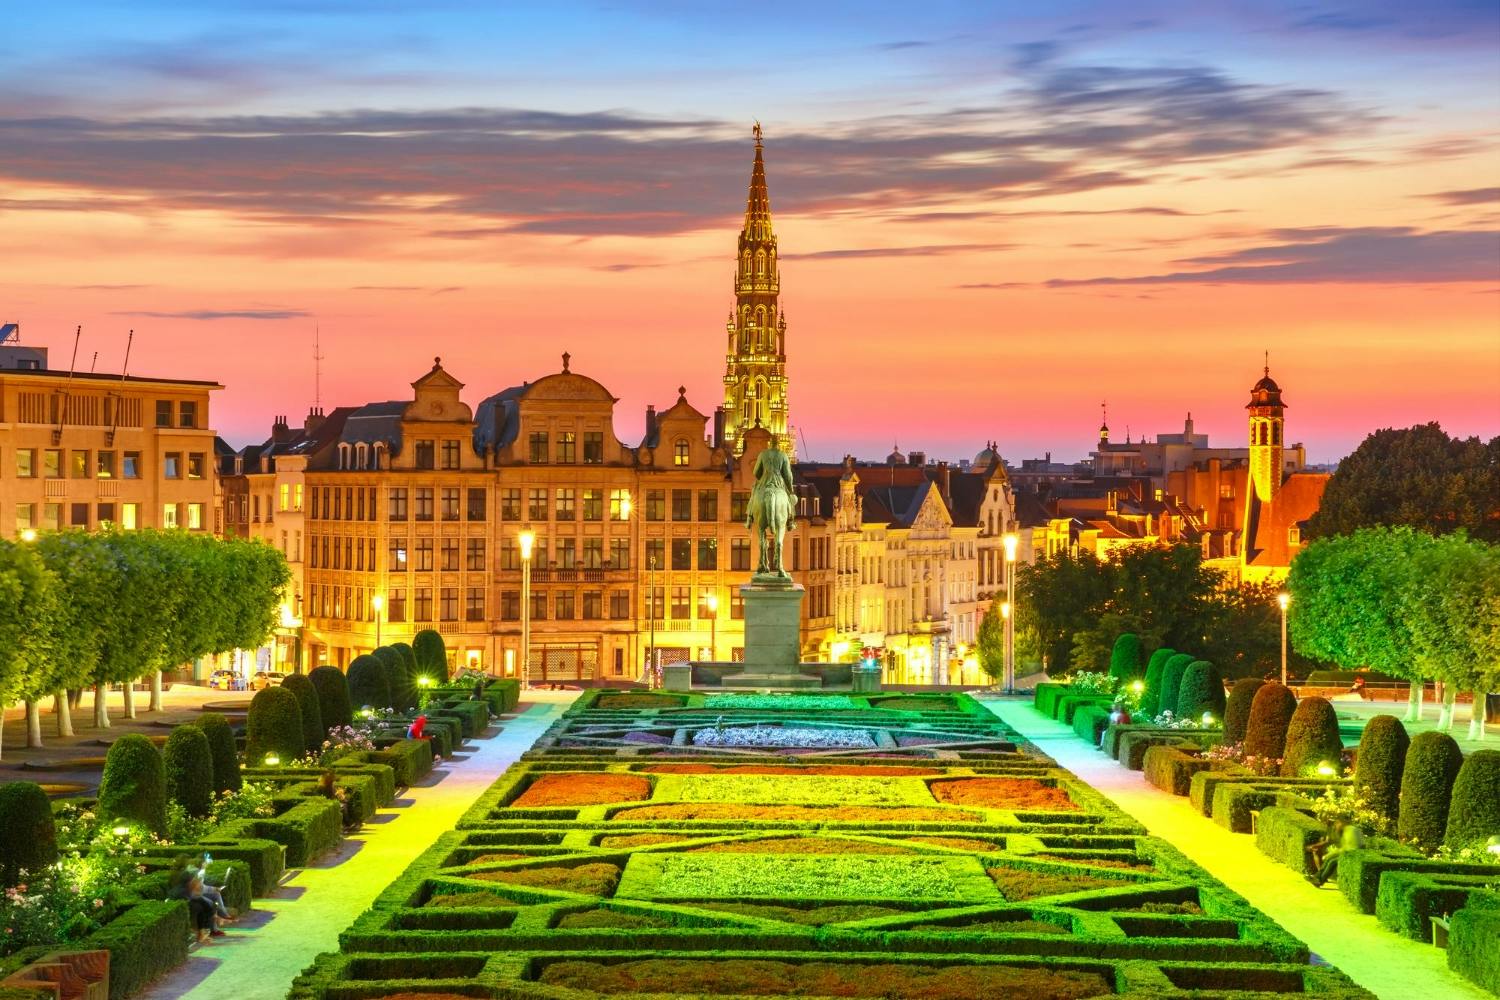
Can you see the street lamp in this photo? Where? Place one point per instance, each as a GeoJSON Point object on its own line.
{"type": "Point", "coordinates": [28, 534]}
{"type": "Point", "coordinates": [378, 603]}
{"type": "Point", "coordinates": [526, 538]}
{"type": "Point", "coordinates": [712, 603]}
{"type": "Point", "coordinates": [1011, 540]}
{"type": "Point", "coordinates": [1283, 599]}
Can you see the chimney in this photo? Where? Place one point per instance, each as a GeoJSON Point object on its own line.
{"type": "Point", "coordinates": [650, 424]}
{"type": "Point", "coordinates": [945, 482]}
{"type": "Point", "coordinates": [279, 430]}
{"type": "Point", "coordinates": [314, 420]}
{"type": "Point", "coordinates": [718, 427]}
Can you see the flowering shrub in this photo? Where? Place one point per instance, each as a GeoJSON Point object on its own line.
{"type": "Point", "coordinates": [1234, 753]}
{"type": "Point", "coordinates": [1169, 720]}
{"type": "Point", "coordinates": [341, 742]}
{"type": "Point", "coordinates": [1342, 802]}
{"type": "Point", "coordinates": [252, 801]}
{"type": "Point", "coordinates": [1087, 682]}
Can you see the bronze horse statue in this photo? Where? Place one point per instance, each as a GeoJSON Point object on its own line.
{"type": "Point", "coordinates": [770, 512]}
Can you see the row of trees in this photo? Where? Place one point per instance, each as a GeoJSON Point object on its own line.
{"type": "Point", "coordinates": [91, 610]}
{"type": "Point", "coordinates": [1405, 603]}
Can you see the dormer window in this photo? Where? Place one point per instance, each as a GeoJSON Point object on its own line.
{"type": "Point", "coordinates": [343, 456]}
{"type": "Point", "coordinates": [681, 452]}
{"type": "Point", "coordinates": [361, 456]}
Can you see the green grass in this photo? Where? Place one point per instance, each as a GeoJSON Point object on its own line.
{"type": "Point", "coordinates": [777, 789]}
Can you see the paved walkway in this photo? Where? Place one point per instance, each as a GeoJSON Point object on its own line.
{"type": "Point", "coordinates": [261, 955]}
{"type": "Point", "coordinates": [1389, 965]}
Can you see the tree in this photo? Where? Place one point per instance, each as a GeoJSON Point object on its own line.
{"type": "Point", "coordinates": [134, 786]}
{"type": "Point", "coordinates": [1060, 595]}
{"type": "Point", "coordinates": [991, 641]}
{"type": "Point", "coordinates": [26, 603]}
{"type": "Point", "coordinates": [1417, 477]}
{"type": "Point", "coordinates": [190, 770]}
{"type": "Point", "coordinates": [82, 571]}
{"type": "Point", "coordinates": [1125, 658]}
{"type": "Point", "coordinates": [431, 654]}
{"type": "Point", "coordinates": [1452, 610]}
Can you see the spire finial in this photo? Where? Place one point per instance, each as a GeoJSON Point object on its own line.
{"type": "Point", "coordinates": [566, 357]}
{"type": "Point", "coordinates": [682, 392]}
{"type": "Point", "coordinates": [1267, 369]}
{"type": "Point", "coordinates": [756, 131]}
{"type": "Point", "coordinates": [437, 362]}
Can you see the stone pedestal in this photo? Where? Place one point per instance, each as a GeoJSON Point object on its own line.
{"type": "Point", "coordinates": [677, 676]}
{"type": "Point", "coordinates": [865, 680]}
{"type": "Point", "coordinates": [773, 627]}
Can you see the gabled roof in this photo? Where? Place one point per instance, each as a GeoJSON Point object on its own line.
{"type": "Point", "coordinates": [1268, 524]}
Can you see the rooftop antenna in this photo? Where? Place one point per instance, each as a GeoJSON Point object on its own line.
{"type": "Point", "coordinates": [129, 340]}
{"type": "Point", "coordinates": [317, 367]}
{"type": "Point", "coordinates": [805, 450]}
{"type": "Point", "coordinates": [94, 363]}
{"type": "Point", "coordinates": [114, 415]}
{"type": "Point", "coordinates": [62, 404]}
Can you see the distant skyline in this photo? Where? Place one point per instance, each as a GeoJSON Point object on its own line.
{"type": "Point", "coordinates": [991, 219]}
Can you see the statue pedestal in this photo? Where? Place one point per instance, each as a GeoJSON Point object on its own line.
{"type": "Point", "coordinates": [773, 636]}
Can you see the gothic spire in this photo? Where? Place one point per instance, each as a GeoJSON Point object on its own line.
{"type": "Point", "coordinates": [758, 202]}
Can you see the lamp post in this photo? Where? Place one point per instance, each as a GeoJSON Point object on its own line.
{"type": "Point", "coordinates": [1283, 599]}
{"type": "Point", "coordinates": [378, 603]}
{"type": "Point", "coordinates": [712, 603]}
{"type": "Point", "coordinates": [1005, 678]}
{"type": "Point", "coordinates": [1011, 540]}
{"type": "Point", "coordinates": [526, 539]}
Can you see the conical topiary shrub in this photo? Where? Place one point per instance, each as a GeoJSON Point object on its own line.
{"type": "Point", "coordinates": [409, 661]}
{"type": "Point", "coordinates": [1474, 807]}
{"type": "Point", "coordinates": [1378, 765]}
{"type": "Point", "coordinates": [1171, 682]}
{"type": "Point", "coordinates": [1125, 658]}
{"type": "Point", "coordinates": [1312, 739]}
{"type": "Point", "coordinates": [397, 678]}
{"type": "Point", "coordinates": [274, 727]}
{"type": "Point", "coordinates": [368, 687]}
{"type": "Point", "coordinates": [1151, 697]}
{"type": "Point", "coordinates": [1270, 714]}
{"type": "Point", "coordinates": [222, 751]}
{"type": "Point", "coordinates": [333, 697]}
{"type": "Point", "coordinates": [1237, 708]}
{"type": "Point", "coordinates": [1432, 763]}
{"type": "Point", "coordinates": [134, 786]}
{"type": "Point", "coordinates": [1201, 691]}
{"type": "Point", "coordinates": [28, 839]}
{"type": "Point", "coordinates": [307, 704]}
{"type": "Point", "coordinates": [431, 655]}
{"type": "Point", "coordinates": [189, 762]}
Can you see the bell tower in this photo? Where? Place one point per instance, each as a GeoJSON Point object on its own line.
{"type": "Point", "coordinates": [755, 390]}
{"type": "Point", "coordinates": [1266, 419]}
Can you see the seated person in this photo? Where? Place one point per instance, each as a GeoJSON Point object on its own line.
{"type": "Point", "coordinates": [417, 727]}
{"type": "Point", "coordinates": [187, 884]}
{"type": "Point", "coordinates": [1323, 855]}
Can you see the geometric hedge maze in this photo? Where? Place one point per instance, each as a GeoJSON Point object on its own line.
{"type": "Point", "coordinates": [920, 849]}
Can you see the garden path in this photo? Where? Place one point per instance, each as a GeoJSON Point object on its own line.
{"type": "Point", "coordinates": [259, 957]}
{"type": "Point", "coordinates": [1389, 965]}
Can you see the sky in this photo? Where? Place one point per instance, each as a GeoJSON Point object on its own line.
{"type": "Point", "coordinates": [993, 218]}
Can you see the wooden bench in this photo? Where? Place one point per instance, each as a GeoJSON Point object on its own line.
{"type": "Point", "coordinates": [65, 975]}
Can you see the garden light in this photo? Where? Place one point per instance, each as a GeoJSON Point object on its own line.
{"type": "Point", "coordinates": [1137, 686]}
{"type": "Point", "coordinates": [1208, 718]}
{"type": "Point", "coordinates": [28, 534]}
{"type": "Point", "coordinates": [1325, 769]}
{"type": "Point", "coordinates": [272, 760]}
{"type": "Point", "coordinates": [121, 831]}
{"type": "Point", "coordinates": [1493, 845]}
{"type": "Point", "coordinates": [424, 681]}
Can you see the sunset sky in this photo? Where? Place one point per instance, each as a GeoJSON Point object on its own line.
{"type": "Point", "coordinates": [991, 218]}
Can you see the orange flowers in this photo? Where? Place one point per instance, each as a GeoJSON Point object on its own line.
{"type": "Point", "coordinates": [583, 789]}
{"type": "Point", "coordinates": [1002, 793]}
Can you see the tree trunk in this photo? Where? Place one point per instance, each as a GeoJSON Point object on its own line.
{"type": "Point", "coordinates": [2, 732]}
{"type": "Point", "coordinates": [75, 697]}
{"type": "Point", "coordinates": [1445, 712]}
{"type": "Point", "coordinates": [1414, 702]}
{"type": "Point", "coordinates": [101, 705]}
{"type": "Point", "coordinates": [156, 691]}
{"type": "Point", "coordinates": [64, 713]}
{"type": "Point", "coordinates": [33, 723]}
{"type": "Point", "coordinates": [127, 691]}
{"type": "Point", "coordinates": [1479, 716]}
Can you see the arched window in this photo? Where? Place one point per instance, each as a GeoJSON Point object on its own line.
{"type": "Point", "coordinates": [760, 263]}
{"type": "Point", "coordinates": [380, 455]}
{"type": "Point", "coordinates": [680, 452]}
{"type": "Point", "coordinates": [1276, 434]}
{"type": "Point", "coordinates": [361, 456]}
{"type": "Point", "coordinates": [343, 456]}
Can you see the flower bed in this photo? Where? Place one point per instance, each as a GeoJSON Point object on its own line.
{"type": "Point", "coordinates": [800, 814]}
{"type": "Point", "coordinates": [831, 770]}
{"type": "Point", "coordinates": [800, 845]}
{"type": "Point", "coordinates": [914, 704]}
{"type": "Point", "coordinates": [617, 702]}
{"type": "Point", "coordinates": [807, 789]}
{"type": "Point", "coordinates": [589, 880]}
{"type": "Point", "coordinates": [583, 789]}
{"type": "Point", "coordinates": [1016, 884]}
{"type": "Point", "coordinates": [807, 916]}
{"type": "Point", "coordinates": [785, 736]}
{"type": "Point", "coordinates": [780, 702]}
{"type": "Point", "coordinates": [1003, 793]}
{"type": "Point", "coordinates": [762, 876]}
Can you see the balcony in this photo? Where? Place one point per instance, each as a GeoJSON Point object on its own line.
{"type": "Point", "coordinates": [551, 575]}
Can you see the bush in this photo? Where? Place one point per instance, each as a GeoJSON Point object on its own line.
{"type": "Point", "coordinates": [274, 726]}
{"type": "Point", "coordinates": [1125, 658]}
{"type": "Point", "coordinates": [1283, 834]}
{"type": "Point", "coordinates": [410, 760]}
{"type": "Point", "coordinates": [28, 840]}
{"type": "Point", "coordinates": [222, 751]}
{"type": "Point", "coordinates": [134, 786]}
{"type": "Point", "coordinates": [1151, 697]}
{"type": "Point", "coordinates": [397, 678]}
{"type": "Point", "coordinates": [409, 663]}
{"type": "Point", "coordinates": [1312, 738]}
{"type": "Point", "coordinates": [1089, 722]}
{"type": "Point", "coordinates": [368, 685]}
{"type": "Point", "coordinates": [1406, 902]}
{"type": "Point", "coordinates": [1472, 933]}
{"type": "Point", "coordinates": [333, 697]}
{"type": "Point", "coordinates": [1171, 682]}
{"type": "Point", "coordinates": [431, 655]}
{"type": "Point", "coordinates": [1474, 809]}
{"type": "Point", "coordinates": [189, 764]}
{"type": "Point", "coordinates": [1432, 764]}
{"type": "Point", "coordinates": [313, 728]}
{"type": "Point", "coordinates": [1171, 768]}
{"type": "Point", "coordinates": [1201, 690]}
{"type": "Point", "coordinates": [147, 940]}
{"type": "Point", "coordinates": [1270, 715]}
{"type": "Point", "coordinates": [1237, 708]}
{"type": "Point", "coordinates": [1377, 766]}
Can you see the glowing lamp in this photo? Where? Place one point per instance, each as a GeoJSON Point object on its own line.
{"type": "Point", "coordinates": [712, 602]}
{"type": "Point", "coordinates": [28, 534]}
{"type": "Point", "coordinates": [1326, 770]}
{"type": "Point", "coordinates": [1011, 540]}
{"type": "Point", "coordinates": [120, 831]}
{"type": "Point", "coordinates": [424, 681]}
{"type": "Point", "coordinates": [378, 602]}
{"type": "Point", "coordinates": [526, 538]}
{"type": "Point", "coordinates": [1137, 686]}
{"type": "Point", "coordinates": [1208, 718]}
{"type": "Point", "coordinates": [1283, 599]}
{"type": "Point", "coordinates": [1004, 609]}
{"type": "Point", "coordinates": [272, 760]}
{"type": "Point", "coordinates": [1493, 845]}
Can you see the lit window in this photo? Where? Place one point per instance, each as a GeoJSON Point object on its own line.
{"type": "Point", "coordinates": [681, 452]}
{"type": "Point", "coordinates": [169, 515]}
{"type": "Point", "coordinates": [195, 516]}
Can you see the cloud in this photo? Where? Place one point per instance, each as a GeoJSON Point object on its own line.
{"type": "Point", "coordinates": [447, 288]}
{"type": "Point", "coordinates": [107, 288]}
{"type": "Point", "coordinates": [208, 315]}
{"type": "Point", "coordinates": [929, 250]}
{"type": "Point", "coordinates": [1472, 196]}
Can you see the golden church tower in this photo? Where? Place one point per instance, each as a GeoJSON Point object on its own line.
{"type": "Point", "coordinates": [755, 365]}
{"type": "Point", "coordinates": [1266, 418]}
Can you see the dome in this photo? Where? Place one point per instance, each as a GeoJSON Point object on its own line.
{"type": "Point", "coordinates": [895, 457]}
{"type": "Point", "coordinates": [987, 456]}
{"type": "Point", "coordinates": [1266, 384]}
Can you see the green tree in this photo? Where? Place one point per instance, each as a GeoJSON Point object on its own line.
{"type": "Point", "coordinates": [81, 568]}
{"type": "Point", "coordinates": [991, 641]}
{"type": "Point", "coordinates": [431, 654]}
{"type": "Point", "coordinates": [27, 602]}
{"type": "Point", "coordinates": [134, 786]}
{"type": "Point", "coordinates": [190, 770]}
{"type": "Point", "coordinates": [1452, 610]}
{"type": "Point", "coordinates": [1125, 658]}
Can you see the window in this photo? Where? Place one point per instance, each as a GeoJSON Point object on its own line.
{"type": "Point", "coordinates": [619, 553]}
{"type": "Point", "coordinates": [510, 605]}
{"type": "Point", "coordinates": [450, 555]}
{"type": "Point", "coordinates": [682, 505]}
{"type": "Point", "coordinates": [593, 553]}
{"type": "Point", "coordinates": [736, 605]}
{"type": "Point", "coordinates": [286, 495]}
{"type": "Point", "coordinates": [476, 503]}
{"type": "Point", "coordinates": [52, 516]}
{"type": "Point", "coordinates": [395, 503]}
{"type": "Point", "coordinates": [536, 503]}
{"type": "Point", "coordinates": [682, 602]}
{"type": "Point", "coordinates": [195, 516]}
{"type": "Point", "coordinates": [681, 452]}
{"type": "Point", "coordinates": [510, 554]}
{"type": "Point", "coordinates": [593, 505]}
{"type": "Point", "coordinates": [566, 448]}
{"type": "Point", "coordinates": [25, 516]}
{"type": "Point", "coordinates": [474, 555]}
{"type": "Point", "coordinates": [395, 555]}
{"type": "Point", "coordinates": [395, 605]}
{"type": "Point", "coordinates": [510, 505]}
{"type": "Point", "coordinates": [169, 515]}
{"type": "Point", "coordinates": [682, 553]}
{"type": "Point", "coordinates": [563, 606]}
{"type": "Point", "coordinates": [78, 465]}
{"type": "Point", "coordinates": [338, 504]}
{"type": "Point", "coordinates": [656, 505]}
{"type": "Point", "coordinates": [619, 504]}
{"type": "Point", "coordinates": [449, 497]}
{"type": "Point", "coordinates": [538, 605]}
{"type": "Point", "coordinates": [297, 499]}
{"type": "Point", "coordinates": [52, 463]}
{"type": "Point", "coordinates": [708, 553]}
{"type": "Point", "coordinates": [619, 605]}
{"type": "Point", "coordinates": [739, 504]}
{"type": "Point", "coordinates": [422, 611]}
{"type": "Point", "coordinates": [424, 555]}
{"type": "Point", "coordinates": [739, 554]}
{"type": "Point", "coordinates": [129, 516]}
{"type": "Point", "coordinates": [1226, 491]}
{"type": "Point", "coordinates": [565, 509]}
{"type": "Point", "coordinates": [187, 414]}
{"type": "Point", "coordinates": [164, 413]}
{"type": "Point", "coordinates": [474, 604]}
{"type": "Point", "coordinates": [593, 448]}
{"type": "Point", "coordinates": [450, 455]}
{"type": "Point", "coordinates": [538, 452]}
{"type": "Point", "coordinates": [656, 553]}
{"type": "Point", "coordinates": [449, 610]}
{"type": "Point", "coordinates": [567, 554]}
{"type": "Point", "coordinates": [425, 457]}
{"type": "Point", "coordinates": [26, 463]}
{"type": "Point", "coordinates": [539, 552]}
{"type": "Point", "coordinates": [424, 503]}
{"type": "Point", "coordinates": [708, 505]}
{"type": "Point", "coordinates": [171, 465]}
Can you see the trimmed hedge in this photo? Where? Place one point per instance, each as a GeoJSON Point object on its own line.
{"type": "Point", "coordinates": [398, 678]}
{"type": "Point", "coordinates": [1377, 766]}
{"type": "Point", "coordinates": [1201, 690]}
{"type": "Point", "coordinates": [134, 786]}
{"type": "Point", "coordinates": [1044, 697]}
{"type": "Point", "coordinates": [1360, 872]}
{"type": "Point", "coordinates": [1151, 696]}
{"type": "Point", "coordinates": [1474, 810]}
{"type": "Point", "coordinates": [1312, 738]}
{"type": "Point", "coordinates": [1432, 764]}
{"type": "Point", "coordinates": [431, 655]}
{"type": "Point", "coordinates": [1270, 715]}
{"type": "Point", "coordinates": [313, 728]}
{"type": "Point", "coordinates": [1069, 704]}
{"type": "Point", "coordinates": [475, 715]}
{"type": "Point", "coordinates": [263, 860]}
{"type": "Point", "coordinates": [1406, 902]}
{"type": "Point", "coordinates": [1171, 682]}
{"type": "Point", "coordinates": [144, 942]}
{"type": "Point", "coordinates": [188, 760]}
{"type": "Point", "coordinates": [1237, 708]}
{"type": "Point", "coordinates": [333, 697]}
{"type": "Point", "coordinates": [1089, 722]}
{"type": "Point", "coordinates": [1125, 658]}
{"type": "Point", "coordinates": [368, 683]}
{"type": "Point", "coordinates": [274, 726]}
{"type": "Point", "coordinates": [28, 838]}
{"type": "Point", "coordinates": [1283, 834]}
{"type": "Point", "coordinates": [1472, 933]}
{"type": "Point", "coordinates": [222, 750]}
{"type": "Point", "coordinates": [409, 760]}
{"type": "Point", "coordinates": [1171, 768]}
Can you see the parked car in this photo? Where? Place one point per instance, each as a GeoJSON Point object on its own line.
{"type": "Point", "coordinates": [225, 680]}
{"type": "Point", "coordinates": [265, 679]}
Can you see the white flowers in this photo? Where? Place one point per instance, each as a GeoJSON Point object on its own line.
{"type": "Point", "coordinates": [783, 736]}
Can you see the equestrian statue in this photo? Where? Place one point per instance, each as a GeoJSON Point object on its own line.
{"type": "Point", "coordinates": [770, 512]}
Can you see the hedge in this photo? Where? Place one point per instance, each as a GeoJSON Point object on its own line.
{"type": "Point", "coordinates": [1089, 722]}
{"type": "Point", "coordinates": [28, 838]}
{"type": "Point", "coordinates": [409, 760]}
{"type": "Point", "coordinates": [134, 786]}
{"type": "Point", "coordinates": [1472, 933]}
{"type": "Point", "coordinates": [1237, 708]}
{"type": "Point", "coordinates": [1312, 739]}
{"type": "Point", "coordinates": [1406, 902]}
{"type": "Point", "coordinates": [431, 655]}
{"type": "Point", "coordinates": [264, 860]}
{"type": "Point", "coordinates": [1125, 658]}
{"type": "Point", "coordinates": [189, 765]}
{"type": "Point", "coordinates": [222, 750]}
{"type": "Point", "coordinates": [1360, 872]}
{"type": "Point", "coordinates": [1283, 834]}
{"type": "Point", "coordinates": [314, 730]}
{"type": "Point", "coordinates": [1171, 768]}
{"type": "Point", "coordinates": [1270, 715]}
{"type": "Point", "coordinates": [1432, 764]}
{"type": "Point", "coordinates": [475, 715]}
{"type": "Point", "coordinates": [1151, 696]}
{"type": "Point", "coordinates": [144, 942]}
{"type": "Point", "coordinates": [274, 726]}
{"type": "Point", "coordinates": [1474, 810]}
{"type": "Point", "coordinates": [1171, 682]}
{"type": "Point", "coordinates": [1377, 766]}
{"type": "Point", "coordinates": [333, 697]}
{"type": "Point", "coordinates": [1201, 690]}
{"type": "Point", "coordinates": [1068, 704]}
{"type": "Point", "coordinates": [409, 664]}
{"type": "Point", "coordinates": [308, 827]}
{"type": "Point", "coordinates": [1044, 698]}
{"type": "Point", "coordinates": [368, 684]}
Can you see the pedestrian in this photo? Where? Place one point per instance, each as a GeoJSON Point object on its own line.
{"type": "Point", "coordinates": [1323, 855]}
